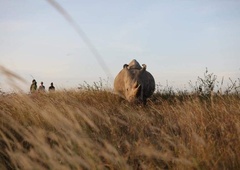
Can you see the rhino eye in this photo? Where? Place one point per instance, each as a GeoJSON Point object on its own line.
{"type": "Point", "coordinates": [127, 89]}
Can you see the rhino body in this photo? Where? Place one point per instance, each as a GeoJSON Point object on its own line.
{"type": "Point", "coordinates": [134, 83]}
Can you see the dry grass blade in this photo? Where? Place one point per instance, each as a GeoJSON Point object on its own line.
{"type": "Point", "coordinates": [83, 36]}
{"type": "Point", "coordinates": [11, 75]}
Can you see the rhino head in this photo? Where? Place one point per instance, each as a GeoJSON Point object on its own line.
{"type": "Point", "coordinates": [134, 83]}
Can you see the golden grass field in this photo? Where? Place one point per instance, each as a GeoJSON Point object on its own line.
{"type": "Point", "coordinates": [95, 129]}
{"type": "Point", "coordinates": [92, 128]}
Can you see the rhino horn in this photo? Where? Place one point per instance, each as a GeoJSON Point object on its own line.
{"type": "Point", "coordinates": [136, 87]}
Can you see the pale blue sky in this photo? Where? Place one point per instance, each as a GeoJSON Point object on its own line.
{"type": "Point", "coordinates": [177, 40]}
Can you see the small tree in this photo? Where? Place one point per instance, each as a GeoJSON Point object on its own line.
{"type": "Point", "coordinates": [207, 83]}
{"type": "Point", "coordinates": [234, 87]}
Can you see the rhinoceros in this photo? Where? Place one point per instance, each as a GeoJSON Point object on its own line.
{"type": "Point", "coordinates": [134, 83]}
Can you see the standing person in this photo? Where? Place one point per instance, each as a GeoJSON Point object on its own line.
{"type": "Point", "coordinates": [51, 88]}
{"type": "Point", "coordinates": [33, 86]}
{"type": "Point", "coordinates": [41, 88]}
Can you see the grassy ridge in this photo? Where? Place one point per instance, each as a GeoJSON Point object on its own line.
{"type": "Point", "coordinates": [90, 129]}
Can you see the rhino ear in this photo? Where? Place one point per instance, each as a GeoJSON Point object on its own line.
{"type": "Point", "coordinates": [144, 67]}
{"type": "Point", "coordinates": [125, 66]}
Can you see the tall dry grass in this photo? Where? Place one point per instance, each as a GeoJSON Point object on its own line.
{"type": "Point", "coordinates": [95, 129]}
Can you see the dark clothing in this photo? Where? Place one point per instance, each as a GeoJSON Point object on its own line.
{"type": "Point", "coordinates": [33, 87]}
{"type": "Point", "coordinates": [51, 88]}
